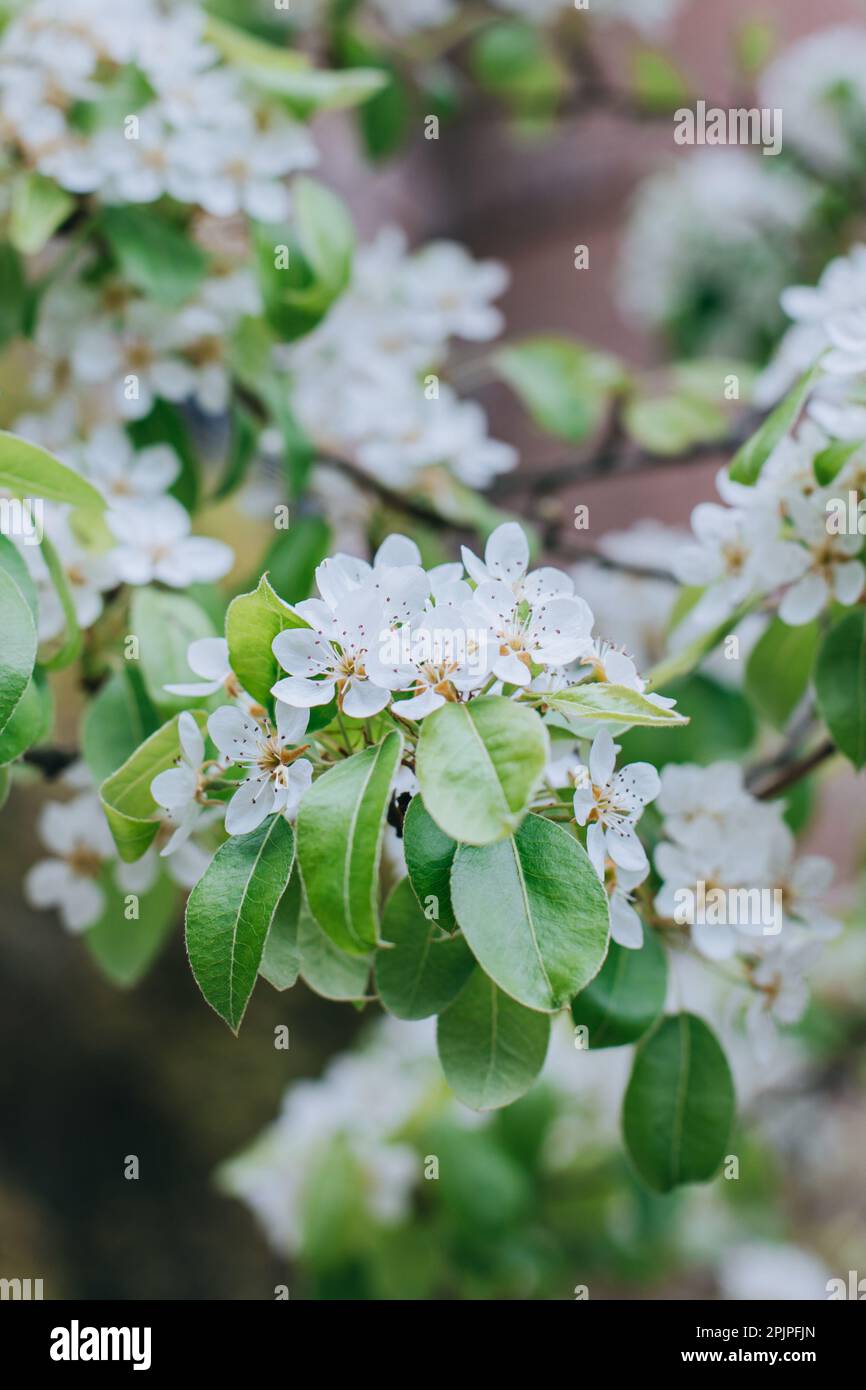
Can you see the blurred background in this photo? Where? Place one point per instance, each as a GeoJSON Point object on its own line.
{"type": "Point", "coordinates": [537, 1202]}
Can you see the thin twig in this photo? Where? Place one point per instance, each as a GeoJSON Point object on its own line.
{"type": "Point", "coordinates": [787, 771]}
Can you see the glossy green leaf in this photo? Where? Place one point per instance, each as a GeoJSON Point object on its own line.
{"type": "Point", "coordinates": [292, 559]}
{"type": "Point", "coordinates": [17, 646]}
{"type": "Point", "coordinates": [673, 424]}
{"type": "Point", "coordinates": [779, 668]}
{"type": "Point", "coordinates": [429, 856]}
{"type": "Point", "coordinates": [31, 721]}
{"type": "Point", "coordinates": [679, 1104]}
{"type": "Point", "coordinates": [749, 460]}
{"type": "Point", "coordinates": [157, 258]}
{"type": "Point", "coordinates": [123, 715]}
{"type": "Point", "coordinates": [13, 562]}
{"type": "Point", "coordinates": [722, 725]}
{"type": "Point", "coordinates": [828, 464]}
{"type": "Point", "coordinates": [626, 996]}
{"type": "Point", "coordinates": [321, 243]}
{"type": "Point", "coordinates": [490, 1047]}
{"type": "Point", "coordinates": [420, 972]}
{"type": "Point", "coordinates": [130, 809]}
{"type": "Point", "coordinates": [566, 387]}
{"type": "Point", "coordinates": [281, 957]}
{"type": "Point", "coordinates": [328, 971]}
{"type": "Point", "coordinates": [518, 63]}
{"type": "Point", "coordinates": [840, 684]}
{"type": "Point", "coordinates": [166, 623]}
{"type": "Point", "coordinates": [340, 825]}
{"type": "Point", "coordinates": [478, 765]}
{"type": "Point", "coordinates": [117, 720]}
{"type": "Point", "coordinates": [38, 208]}
{"type": "Point", "coordinates": [14, 298]}
{"type": "Point", "coordinates": [615, 704]}
{"type": "Point", "coordinates": [30, 471]}
{"type": "Point", "coordinates": [534, 913]}
{"type": "Point", "coordinates": [658, 84]}
{"type": "Point", "coordinates": [252, 622]}
{"type": "Point", "coordinates": [164, 424]}
{"type": "Point", "coordinates": [287, 73]}
{"type": "Point", "coordinates": [230, 911]}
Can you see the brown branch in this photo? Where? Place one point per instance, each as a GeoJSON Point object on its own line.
{"type": "Point", "coordinates": [786, 770]}
{"type": "Point", "coordinates": [623, 457]}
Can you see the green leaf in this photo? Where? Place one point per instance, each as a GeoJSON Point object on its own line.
{"type": "Point", "coordinates": [5, 786]}
{"type": "Point", "coordinates": [340, 826]}
{"type": "Point", "coordinates": [828, 464]}
{"type": "Point", "coordinates": [673, 424]}
{"type": "Point", "coordinates": [328, 971]}
{"type": "Point", "coordinates": [286, 73]}
{"type": "Point", "coordinates": [241, 452]}
{"type": "Point", "coordinates": [291, 561]}
{"type": "Point", "coordinates": [722, 726]}
{"type": "Point", "coordinates": [157, 258]}
{"type": "Point", "coordinates": [116, 721]}
{"type": "Point", "coordinates": [252, 622]}
{"type": "Point", "coordinates": [755, 41]}
{"type": "Point", "coordinates": [13, 562]}
{"type": "Point", "coordinates": [166, 425]}
{"type": "Point", "coordinates": [39, 206]}
{"type": "Point", "coordinates": [840, 684]}
{"type": "Point", "coordinates": [517, 62]}
{"type": "Point", "coordinates": [478, 765]}
{"type": "Point", "coordinates": [626, 996]}
{"type": "Point", "coordinates": [779, 668]}
{"type": "Point", "coordinates": [29, 471]}
{"type": "Point", "coordinates": [386, 118]}
{"type": "Point", "coordinates": [534, 913]}
{"type": "Point", "coordinates": [281, 957]}
{"type": "Point", "coordinates": [230, 911]}
{"type": "Point", "coordinates": [14, 296]}
{"type": "Point", "coordinates": [566, 387]}
{"type": "Point", "coordinates": [429, 856]}
{"type": "Point", "coordinates": [750, 458]}
{"type": "Point", "coordinates": [615, 704]}
{"type": "Point", "coordinates": [321, 245]}
{"type": "Point", "coordinates": [165, 625]}
{"type": "Point", "coordinates": [17, 648]}
{"type": "Point", "coordinates": [658, 84]}
{"type": "Point", "coordinates": [679, 1105]}
{"type": "Point", "coordinates": [491, 1048]}
{"type": "Point", "coordinates": [420, 972]}
{"type": "Point", "coordinates": [126, 800]}
{"type": "Point", "coordinates": [31, 721]}
{"type": "Point", "coordinates": [122, 92]}
{"type": "Point", "coordinates": [125, 950]}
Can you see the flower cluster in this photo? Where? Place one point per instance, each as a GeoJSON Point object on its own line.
{"type": "Point", "coordinates": [391, 326]}
{"type": "Point", "coordinates": [361, 1104]}
{"type": "Point", "coordinates": [130, 102]}
{"type": "Point", "coordinates": [730, 873]}
{"type": "Point", "coordinates": [776, 539]}
{"type": "Point", "coordinates": [83, 866]}
{"type": "Point", "coordinates": [714, 229]}
{"type": "Point", "coordinates": [820, 83]}
{"type": "Point", "coordinates": [829, 327]}
{"type": "Point", "coordinates": [392, 634]}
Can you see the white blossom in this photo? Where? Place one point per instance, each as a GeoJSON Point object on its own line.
{"type": "Point", "coordinates": [155, 544]}
{"type": "Point", "coordinates": [611, 803]}
{"type": "Point", "coordinates": [277, 774]}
